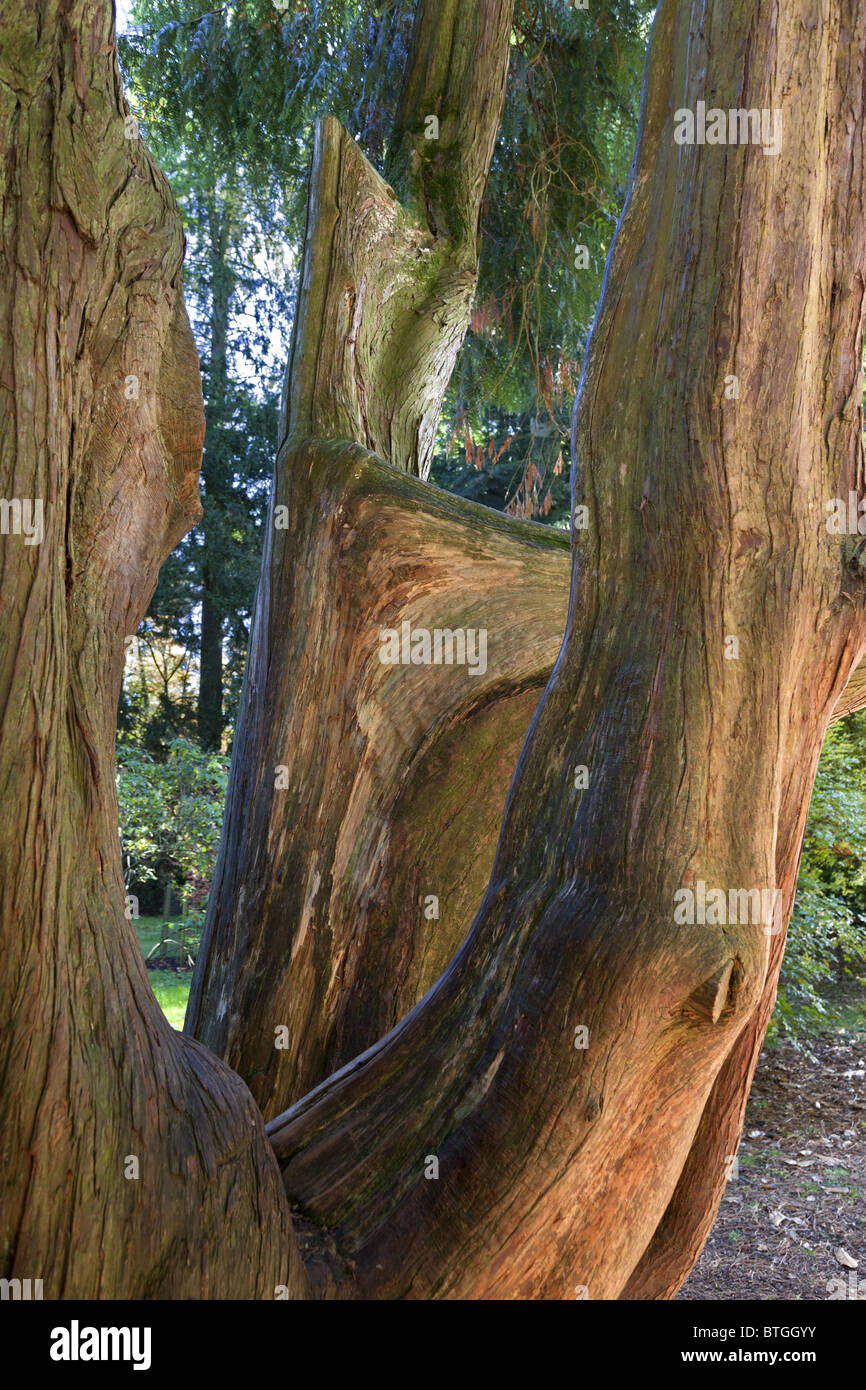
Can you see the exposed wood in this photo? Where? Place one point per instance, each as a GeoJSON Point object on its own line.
{"type": "Point", "coordinates": [387, 286]}
{"type": "Point", "coordinates": [395, 777]}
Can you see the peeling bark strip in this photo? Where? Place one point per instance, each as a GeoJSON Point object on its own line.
{"type": "Point", "coordinates": [101, 419]}
{"type": "Point", "coordinates": [602, 1166]}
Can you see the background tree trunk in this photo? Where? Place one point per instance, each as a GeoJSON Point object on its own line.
{"type": "Point", "coordinates": [134, 1163]}
{"type": "Point", "coordinates": [210, 692]}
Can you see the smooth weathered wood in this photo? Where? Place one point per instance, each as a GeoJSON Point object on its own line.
{"type": "Point", "coordinates": [387, 285]}
{"type": "Point", "coordinates": [395, 775]}
{"type": "Point", "coordinates": [853, 697]}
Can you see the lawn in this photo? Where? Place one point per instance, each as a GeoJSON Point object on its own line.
{"type": "Point", "coordinates": [170, 987]}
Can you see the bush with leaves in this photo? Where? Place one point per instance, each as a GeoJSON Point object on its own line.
{"type": "Point", "coordinates": [170, 821]}
{"type": "Point", "coordinates": [827, 935]}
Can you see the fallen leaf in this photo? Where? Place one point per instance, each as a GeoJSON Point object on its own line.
{"type": "Point", "coordinates": [845, 1259]}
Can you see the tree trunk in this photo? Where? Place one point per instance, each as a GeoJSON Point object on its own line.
{"type": "Point", "coordinates": [210, 687]}
{"type": "Point", "coordinates": [591, 1159]}
{"type": "Point", "coordinates": [556, 1110]}
{"type": "Point", "coordinates": [209, 717]}
{"type": "Point", "coordinates": [345, 817]}
{"type": "Point", "coordinates": [134, 1163]}
{"type": "Point", "coordinates": [366, 799]}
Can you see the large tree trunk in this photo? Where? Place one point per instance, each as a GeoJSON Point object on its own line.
{"type": "Point", "coordinates": [356, 788]}
{"type": "Point", "coordinates": [134, 1163]}
{"type": "Point", "coordinates": [560, 1165]}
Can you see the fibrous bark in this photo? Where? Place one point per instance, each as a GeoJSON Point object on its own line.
{"type": "Point", "coordinates": [345, 816]}
{"type": "Point", "coordinates": [556, 1113]}
{"type": "Point", "coordinates": [134, 1162]}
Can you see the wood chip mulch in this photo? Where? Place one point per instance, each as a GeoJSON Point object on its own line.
{"type": "Point", "coordinates": [792, 1224]}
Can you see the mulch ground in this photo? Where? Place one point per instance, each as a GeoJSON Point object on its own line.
{"type": "Point", "coordinates": [793, 1217]}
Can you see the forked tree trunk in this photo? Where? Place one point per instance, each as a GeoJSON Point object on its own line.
{"type": "Point", "coordinates": [713, 627]}
{"type": "Point", "coordinates": [559, 1166]}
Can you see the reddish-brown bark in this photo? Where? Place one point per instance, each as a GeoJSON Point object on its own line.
{"type": "Point", "coordinates": [560, 1165]}
{"type": "Point", "coordinates": [603, 1167]}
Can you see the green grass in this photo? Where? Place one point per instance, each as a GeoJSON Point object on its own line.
{"type": "Point", "coordinates": [170, 990]}
{"type": "Point", "coordinates": [148, 930]}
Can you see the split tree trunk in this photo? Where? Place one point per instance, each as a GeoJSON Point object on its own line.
{"type": "Point", "coordinates": [329, 882]}
{"type": "Point", "coordinates": [559, 1166]}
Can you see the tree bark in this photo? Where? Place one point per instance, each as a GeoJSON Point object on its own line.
{"type": "Point", "coordinates": [360, 791]}
{"type": "Point", "coordinates": [322, 881]}
{"type": "Point", "coordinates": [134, 1162]}
{"type": "Point", "coordinates": [564, 1158]}
{"type": "Point", "coordinates": [210, 691]}
{"type": "Point", "coordinates": [562, 1165]}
